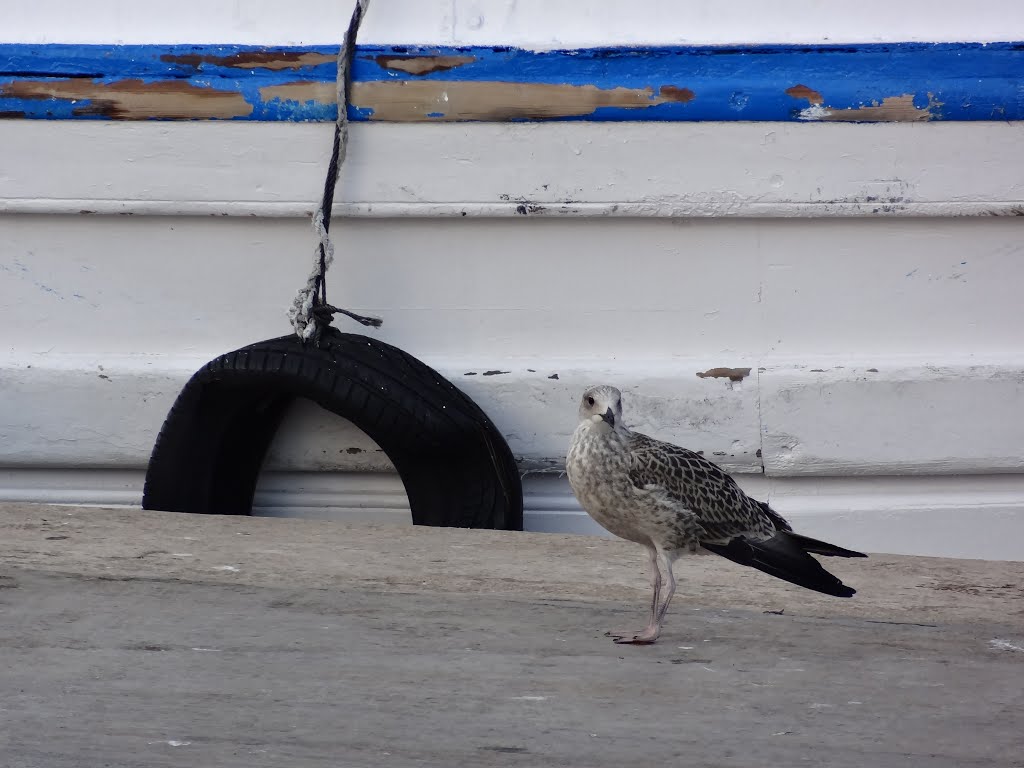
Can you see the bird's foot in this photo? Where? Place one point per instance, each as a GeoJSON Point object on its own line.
{"type": "Point", "coordinates": [646, 636]}
{"type": "Point", "coordinates": [623, 632]}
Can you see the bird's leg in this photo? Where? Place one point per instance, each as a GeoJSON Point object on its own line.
{"type": "Point", "coordinates": [668, 561]}
{"type": "Point", "coordinates": [628, 636]}
{"type": "Point", "coordinates": [652, 631]}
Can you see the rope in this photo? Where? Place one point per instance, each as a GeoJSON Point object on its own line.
{"type": "Point", "coordinates": [310, 313]}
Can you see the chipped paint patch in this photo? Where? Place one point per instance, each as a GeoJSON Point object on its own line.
{"type": "Point", "coordinates": [422, 65]}
{"type": "Point", "coordinates": [134, 99]}
{"type": "Point", "coordinates": [892, 109]}
{"type": "Point", "coordinates": [301, 92]}
{"type": "Point", "coordinates": [732, 374]}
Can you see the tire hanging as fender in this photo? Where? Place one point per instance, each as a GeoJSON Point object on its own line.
{"type": "Point", "coordinates": [456, 466]}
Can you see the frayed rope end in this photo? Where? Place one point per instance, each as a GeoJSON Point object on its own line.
{"type": "Point", "coordinates": [326, 313]}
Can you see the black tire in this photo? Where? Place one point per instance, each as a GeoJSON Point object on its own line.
{"type": "Point", "coordinates": [456, 466]}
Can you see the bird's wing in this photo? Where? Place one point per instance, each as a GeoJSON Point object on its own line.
{"type": "Point", "coordinates": [702, 487]}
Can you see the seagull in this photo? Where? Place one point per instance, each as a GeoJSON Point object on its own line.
{"type": "Point", "coordinates": [672, 500]}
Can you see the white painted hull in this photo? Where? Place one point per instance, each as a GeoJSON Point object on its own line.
{"type": "Point", "coordinates": [868, 275]}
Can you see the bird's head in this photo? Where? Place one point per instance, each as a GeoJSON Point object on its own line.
{"type": "Point", "coordinates": [602, 405]}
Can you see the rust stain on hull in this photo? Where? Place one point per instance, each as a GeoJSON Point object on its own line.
{"type": "Point", "coordinates": [803, 92]}
{"type": "Point", "coordinates": [732, 374]}
{"type": "Point", "coordinates": [892, 109]}
{"type": "Point", "coordinates": [273, 60]}
{"type": "Point", "coordinates": [423, 65]}
{"type": "Point", "coordinates": [135, 99]}
{"type": "Point", "coordinates": [674, 93]}
{"type": "Point", "coordinates": [432, 100]}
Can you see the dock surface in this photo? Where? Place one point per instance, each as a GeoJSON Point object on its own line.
{"type": "Point", "coordinates": [132, 638]}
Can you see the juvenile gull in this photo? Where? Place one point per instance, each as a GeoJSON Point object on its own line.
{"type": "Point", "coordinates": [672, 500]}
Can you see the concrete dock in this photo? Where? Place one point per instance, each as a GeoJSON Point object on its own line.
{"type": "Point", "coordinates": [131, 638]}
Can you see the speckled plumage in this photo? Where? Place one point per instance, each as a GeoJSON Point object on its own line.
{"type": "Point", "coordinates": [672, 500]}
{"type": "Point", "coordinates": [646, 490]}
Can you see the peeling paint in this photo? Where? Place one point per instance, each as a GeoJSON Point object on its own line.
{"type": "Point", "coordinates": [892, 109]}
{"type": "Point", "coordinates": [423, 65]}
{"type": "Point", "coordinates": [448, 100]}
{"type": "Point", "coordinates": [732, 374]}
{"type": "Point", "coordinates": [851, 83]}
{"type": "Point", "coordinates": [275, 60]}
{"type": "Point", "coordinates": [524, 206]}
{"type": "Point", "coordinates": [527, 207]}
{"type": "Point", "coordinates": [135, 99]}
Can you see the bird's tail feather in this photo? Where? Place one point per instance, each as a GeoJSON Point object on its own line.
{"type": "Point", "coordinates": [784, 557]}
{"type": "Point", "coordinates": [822, 547]}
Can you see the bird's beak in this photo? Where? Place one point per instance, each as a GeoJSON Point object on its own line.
{"type": "Point", "coordinates": [609, 418]}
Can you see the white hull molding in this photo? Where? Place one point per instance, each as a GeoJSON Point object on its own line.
{"type": "Point", "coordinates": [784, 421]}
{"type": "Point", "coordinates": [554, 170]}
{"type": "Point", "coordinates": [976, 517]}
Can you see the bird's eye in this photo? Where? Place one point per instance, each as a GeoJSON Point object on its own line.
{"type": "Point", "coordinates": [590, 401]}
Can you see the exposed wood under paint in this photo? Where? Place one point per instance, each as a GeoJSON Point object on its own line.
{"type": "Point", "coordinates": [274, 60]}
{"type": "Point", "coordinates": [498, 102]}
{"type": "Point", "coordinates": [407, 101]}
{"type": "Point", "coordinates": [892, 109]}
{"type": "Point", "coordinates": [860, 83]}
{"type": "Point", "coordinates": [133, 99]}
{"type": "Point", "coordinates": [423, 65]}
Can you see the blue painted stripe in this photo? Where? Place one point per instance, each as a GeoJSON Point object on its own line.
{"type": "Point", "coordinates": [944, 81]}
